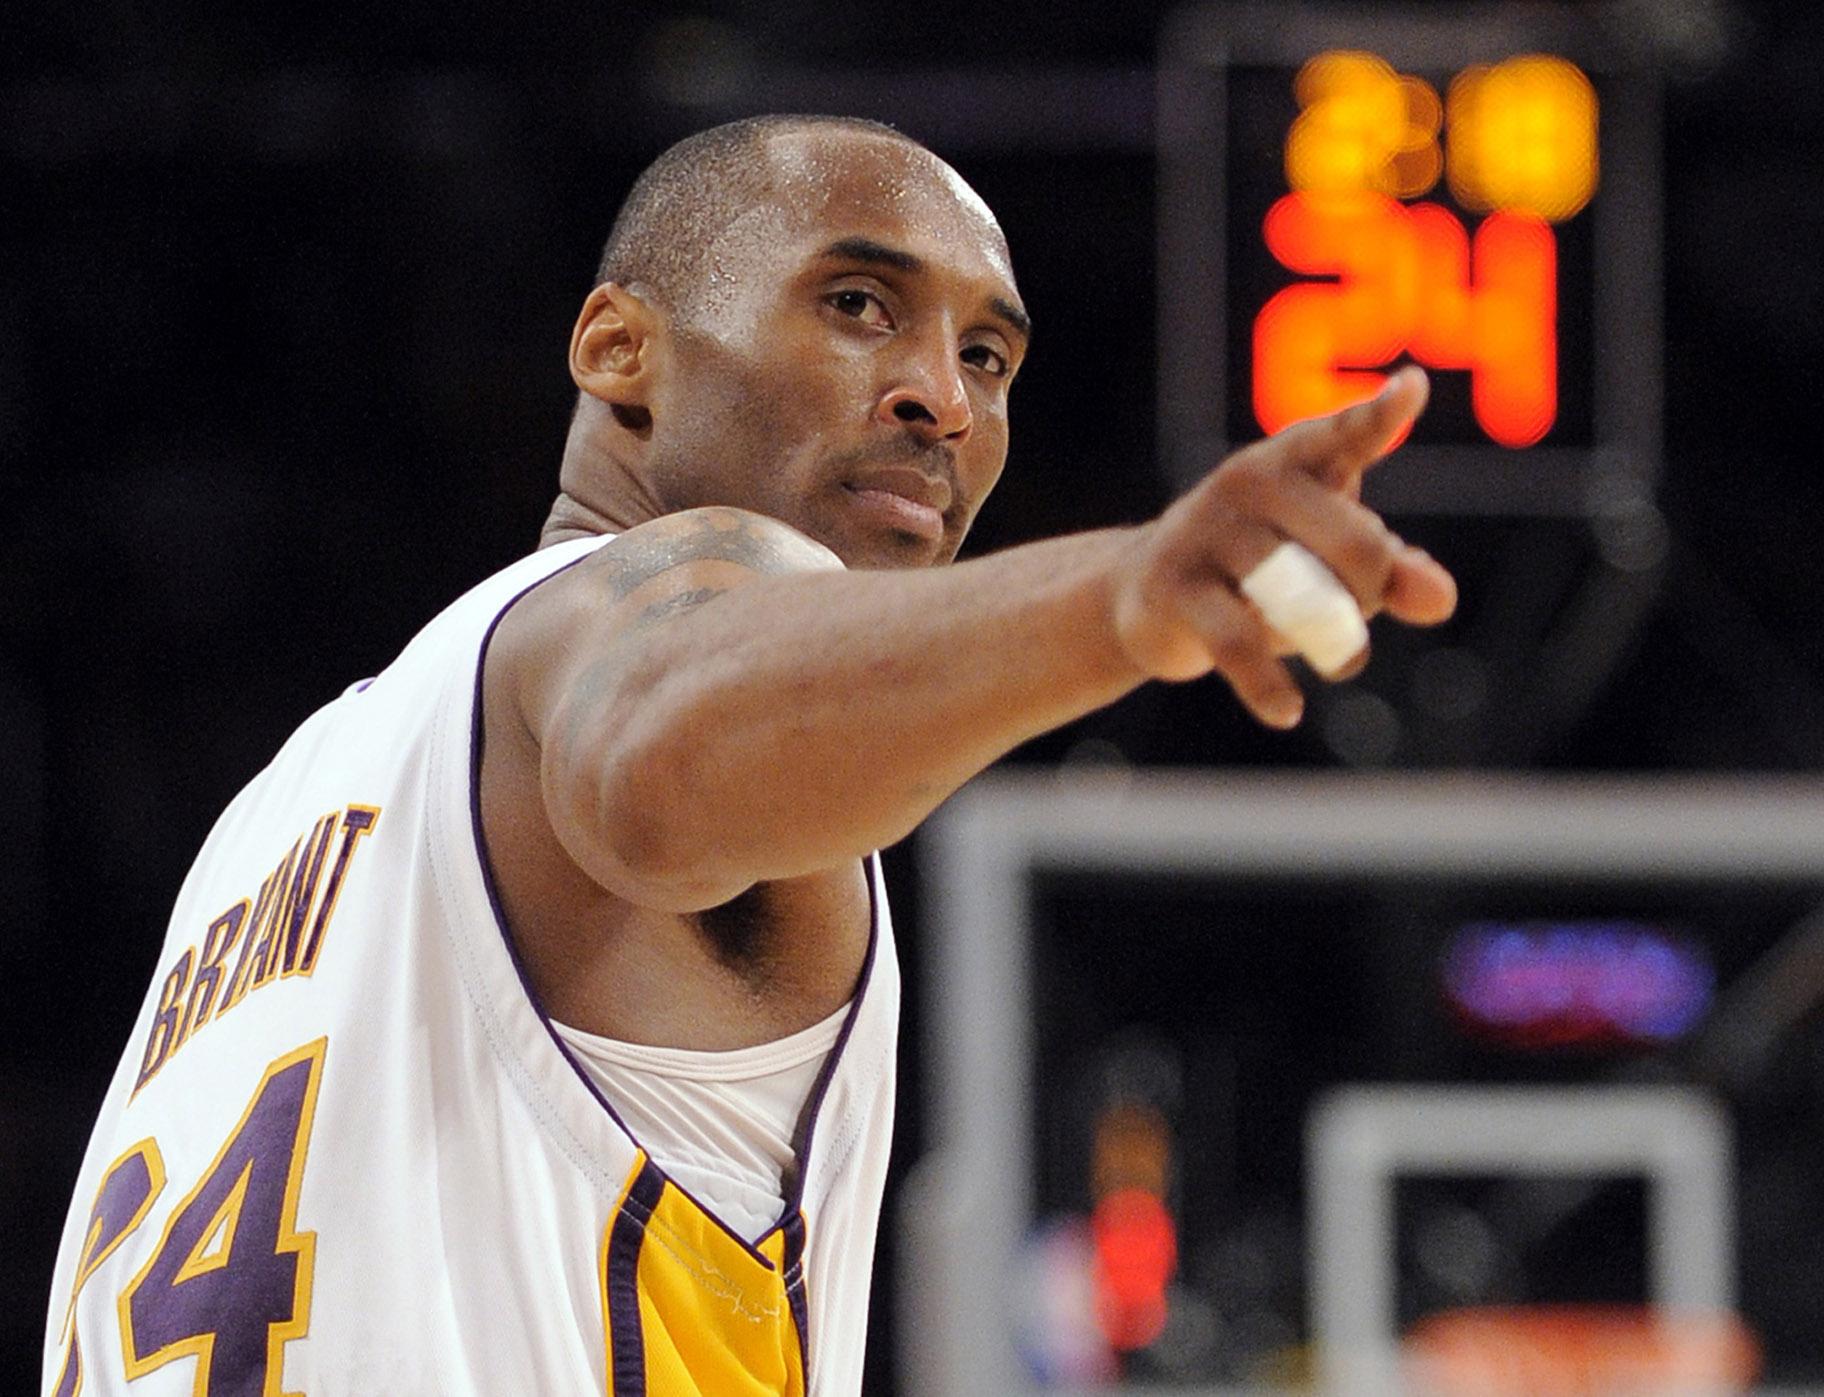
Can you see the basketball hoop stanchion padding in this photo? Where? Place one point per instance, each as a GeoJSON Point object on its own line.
{"type": "Point", "coordinates": [1572, 1350]}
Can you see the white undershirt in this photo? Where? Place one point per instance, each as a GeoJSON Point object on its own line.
{"type": "Point", "coordinates": [719, 1123]}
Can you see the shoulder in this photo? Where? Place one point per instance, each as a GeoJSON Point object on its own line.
{"type": "Point", "coordinates": [642, 578]}
{"type": "Point", "coordinates": [719, 537]}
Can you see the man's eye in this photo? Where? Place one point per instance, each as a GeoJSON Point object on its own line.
{"type": "Point", "coordinates": [982, 357]}
{"type": "Point", "coordinates": [860, 305]}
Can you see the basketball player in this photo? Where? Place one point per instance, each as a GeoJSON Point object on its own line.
{"type": "Point", "coordinates": [527, 1026]}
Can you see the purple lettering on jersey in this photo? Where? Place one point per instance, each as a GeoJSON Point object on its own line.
{"type": "Point", "coordinates": [263, 938]}
{"type": "Point", "coordinates": [358, 822]}
{"type": "Point", "coordinates": [230, 1281]}
{"type": "Point", "coordinates": [163, 1036]}
{"type": "Point", "coordinates": [270, 932]}
{"type": "Point", "coordinates": [262, 913]}
{"type": "Point", "coordinates": [298, 881]}
{"type": "Point", "coordinates": [295, 911]}
{"type": "Point", "coordinates": [217, 942]}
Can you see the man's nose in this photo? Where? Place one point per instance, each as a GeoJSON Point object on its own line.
{"type": "Point", "coordinates": [932, 400]}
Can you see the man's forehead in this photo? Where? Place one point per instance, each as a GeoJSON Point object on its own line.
{"type": "Point", "coordinates": [837, 183]}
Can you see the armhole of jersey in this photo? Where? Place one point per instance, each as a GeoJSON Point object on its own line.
{"type": "Point", "coordinates": [485, 862]}
{"type": "Point", "coordinates": [803, 1138]}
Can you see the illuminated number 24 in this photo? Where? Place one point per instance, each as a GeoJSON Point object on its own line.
{"type": "Point", "coordinates": [229, 1282]}
{"type": "Point", "coordinates": [1403, 282]}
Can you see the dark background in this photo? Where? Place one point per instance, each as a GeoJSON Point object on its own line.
{"type": "Point", "coordinates": [284, 296]}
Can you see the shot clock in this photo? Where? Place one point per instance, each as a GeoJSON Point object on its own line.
{"type": "Point", "coordinates": [1346, 191]}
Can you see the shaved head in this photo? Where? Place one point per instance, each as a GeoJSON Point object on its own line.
{"type": "Point", "coordinates": [666, 232]}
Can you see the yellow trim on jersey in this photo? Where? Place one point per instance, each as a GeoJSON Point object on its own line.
{"type": "Point", "coordinates": [714, 1318]}
{"type": "Point", "coordinates": [217, 1240]}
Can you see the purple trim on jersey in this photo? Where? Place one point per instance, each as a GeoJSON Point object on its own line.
{"type": "Point", "coordinates": [813, 1106]}
{"type": "Point", "coordinates": [792, 1272]}
{"type": "Point", "coordinates": [476, 733]}
{"type": "Point", "coordinates": [626, 1337]}
{"type": "Point", "coordinates": [794, 1189]}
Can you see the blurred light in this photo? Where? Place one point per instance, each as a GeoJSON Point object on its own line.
{"type": "Point", "coordinates": [1364, 129]}
{"type": "Point", "coordinates": [1630, 531]}
{"type": "Point", "coordinates": [1544, 984]}
{"type": "Point", "coordinates": [1459, 1253]}
{"type": "Point", "coordinates": [1522, 135]}
{"type": "Point", "coordinates": [1055, 1307]}
{"type": "Point", "coordinates": [1132, 1150]}
{"type": "Point", "coordinates": [1450, 683]}
{"type": "Point", "coordinates": [693, 60]}
{"type": "Point", "coordinates": [1408, 279]}
{"type": "Point", "coordinates": [1136, 1067]}
{"type": "Point", "coordinates": [1581, 1348]}
{"type": "Point", "coordinates": [1136, 1257]}
{"type": "Point", "coordinates": [1362, 727]}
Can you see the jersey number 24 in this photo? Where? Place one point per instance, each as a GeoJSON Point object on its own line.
{"type": "Point", "coordinates": [229, 1282]}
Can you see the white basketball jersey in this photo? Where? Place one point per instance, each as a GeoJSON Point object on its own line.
{"type": "Point", "coordinates": [345, 1154]}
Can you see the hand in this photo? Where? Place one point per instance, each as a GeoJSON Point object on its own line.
{"type": "Point", "coordinates": [1177, 609]}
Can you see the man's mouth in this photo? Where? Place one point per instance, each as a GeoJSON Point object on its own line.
{"type": "Point", "coordinates": [903, 499]}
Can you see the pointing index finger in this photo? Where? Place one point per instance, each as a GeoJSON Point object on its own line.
{"type": "Point", "coordinates": [1338, 448]}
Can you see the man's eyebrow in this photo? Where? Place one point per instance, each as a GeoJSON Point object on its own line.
{"type": "Point", "coordinates": [1013, 315]}
{"type": "Point", "coordinates": [867, 250]}
{"type": "Point", "coordinates": [859, 249]}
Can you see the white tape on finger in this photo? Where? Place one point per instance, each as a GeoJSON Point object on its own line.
{"type": "Point", "coordinates": [1304, 602]}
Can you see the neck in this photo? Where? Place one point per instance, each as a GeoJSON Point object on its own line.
{"type": "Point", "coordinates": [572, 518]}
{"type": "Point", "coordinates": [601, 490]}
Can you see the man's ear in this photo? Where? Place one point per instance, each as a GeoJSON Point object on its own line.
{"type": "Point", "coordinates": [612, 347]}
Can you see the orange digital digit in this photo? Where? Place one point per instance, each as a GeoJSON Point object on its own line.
{"type": "Point", "coordinates": [1523, 136]}
{"type": "Point", "coordinates": [1315, 343]}
{"type": "Point", "coordinates": [1512, 336]}
{"type": "Point", "coordinates": [1364, 129]}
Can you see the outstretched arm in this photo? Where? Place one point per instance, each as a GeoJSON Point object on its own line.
{"type": "Point", "coordinates": [717, 703]}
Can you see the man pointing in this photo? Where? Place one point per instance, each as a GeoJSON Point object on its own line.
{"type": "Point", "coordinates": [528, 1025]}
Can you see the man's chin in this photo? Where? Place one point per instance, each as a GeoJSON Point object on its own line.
{"type": "Point", "coordinates": [894, 552]}
{"type": "Point", "coordinates": [866, 547]}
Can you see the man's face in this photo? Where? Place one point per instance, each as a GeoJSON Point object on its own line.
{"type": "Point", "coordinates": [846, 368]}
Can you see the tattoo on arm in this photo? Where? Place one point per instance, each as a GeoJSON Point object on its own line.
{"type": "Point", "coordinates": [718, 535]}
{"type": "Point", "coordinates": [671, 606]}
{"type": "Point", "coordinates": [715, 535]}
